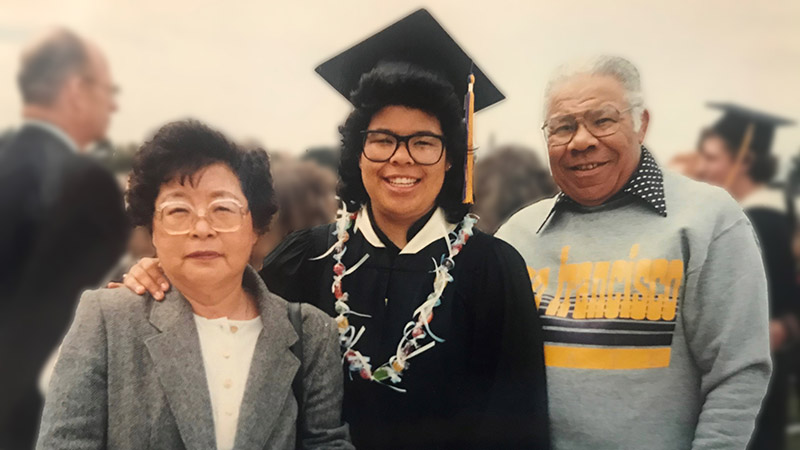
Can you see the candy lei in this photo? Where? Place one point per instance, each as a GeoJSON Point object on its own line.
{"type": "Point", "coordinates": [415, 331]}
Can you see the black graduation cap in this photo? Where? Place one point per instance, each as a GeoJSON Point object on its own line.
{"type": "Point", "coordinates": [734, 123]}
{"type": "Point", "coordinates": [417, 39]}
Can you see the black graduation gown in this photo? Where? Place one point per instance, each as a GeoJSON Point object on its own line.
{"type": "Point", "coordinates": [774, 231]}
{"type": "Point", "coordinates": [484, 387]}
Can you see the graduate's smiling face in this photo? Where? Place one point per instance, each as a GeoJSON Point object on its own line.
{"type": "Point", "coordinates": [716, 160]}
{"type": "Point", "coordinates": [591, 169]}
{"type": "Point", "coordinates": [400, 189]}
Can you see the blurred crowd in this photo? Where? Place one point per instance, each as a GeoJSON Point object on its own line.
{"type": "Point", "coordinates": [507, 178]}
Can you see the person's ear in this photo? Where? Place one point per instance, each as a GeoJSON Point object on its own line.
{"type": "Point", "coordinates": [153, 238]}
{"type": "Point", "coordinates": [72, 92]}
{"type": "Point", "coordinates": [643, 128]}
{"type": "Point", "coordinates": [255, 237]}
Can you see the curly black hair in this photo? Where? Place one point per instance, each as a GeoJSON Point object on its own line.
{"type": "Point", "coordinates": [181, 149]}
{"type": "Point", "coordinates": [413, 87]}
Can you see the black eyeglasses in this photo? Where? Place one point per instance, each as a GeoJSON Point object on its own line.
{"type": "Point", "coordinates": [425, 149]}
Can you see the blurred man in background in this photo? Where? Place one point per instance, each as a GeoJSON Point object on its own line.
{"type": "Point", "coordinates": [63, 223]}
{"type": "Point", "coordinates": [650, 285]}
{"type": "Point", "coordinates": [507, 179]}
{"type": "Point", "coordinates": [735, 153]}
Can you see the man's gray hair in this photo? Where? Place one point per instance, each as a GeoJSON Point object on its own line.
{"type": "Point", "coordinates": [615, 66]}
{"type": "Point", "coordinates": [48, 63]}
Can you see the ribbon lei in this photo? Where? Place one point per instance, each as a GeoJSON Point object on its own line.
{"type": "Point", "coordinates": [415, 331]}
{"type": "Point", "coordinates": [469, 120]}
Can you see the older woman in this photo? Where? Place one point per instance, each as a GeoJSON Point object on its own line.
{"type": "Point", "coordinates": [211, 365]}
{"type": "Point", "coordinates": [440, 336]}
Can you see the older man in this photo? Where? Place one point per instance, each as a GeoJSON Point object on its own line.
{"type": "Point", "coordinates": [651, 286]}
{"type": "Point", "coordinates": [63, 224]}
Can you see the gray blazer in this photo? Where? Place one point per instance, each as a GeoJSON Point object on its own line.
{"type": "Point", "coordinates": [131, 376]}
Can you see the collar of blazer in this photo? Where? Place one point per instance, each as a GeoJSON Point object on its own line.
{"type": "Point", "coordinates": [55, 131]}
{"type": "Point", "coordinates": [179, 364]}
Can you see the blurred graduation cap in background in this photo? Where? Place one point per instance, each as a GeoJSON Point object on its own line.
{"type": "Point", "coordinates": [739, 122]}
{"type": "Point", "coordinates": [417, 40]}
{"type": "Point", "coordinates": [746, 130]}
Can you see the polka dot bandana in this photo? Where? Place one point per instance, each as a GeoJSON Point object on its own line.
{"type": "Point", "coordinates": [647, 183]}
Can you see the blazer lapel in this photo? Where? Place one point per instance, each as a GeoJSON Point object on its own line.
{"type": "Point", "coordinates": [178, 361]}
{"type": "Point", "coordinates": [269, 383]}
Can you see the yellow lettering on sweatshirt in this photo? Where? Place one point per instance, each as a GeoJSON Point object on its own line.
{"type": "Point", "coordinates": [633, 288]}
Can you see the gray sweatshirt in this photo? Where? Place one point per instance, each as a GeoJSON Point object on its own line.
{"type": "Point", "coordinates": [656, 328]}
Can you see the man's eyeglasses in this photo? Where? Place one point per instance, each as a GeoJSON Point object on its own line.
{"type": "Point", "coordinates": [424, 148]}
{"type": "Point", "coordinates": [222, 215]}
{"type": "Point", "coordinates": [600, 122]}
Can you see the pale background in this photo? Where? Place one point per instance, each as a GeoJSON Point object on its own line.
{"type": "Point", "coordinates": [247, 66]}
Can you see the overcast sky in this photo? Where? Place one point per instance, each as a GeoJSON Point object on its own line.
{"type": "Point", "coordinates": [247, 66]}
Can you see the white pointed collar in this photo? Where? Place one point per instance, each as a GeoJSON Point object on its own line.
{"type": "Point", "coordinates": [765, 198]}
{"type": "Point", "coordinates": [437, 227]}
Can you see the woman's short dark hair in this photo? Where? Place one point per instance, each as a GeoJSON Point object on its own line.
{"type": "Point", "coordinates": [763, 166]}
{"type": "Point", "coordinates": [181, 149]}
{"type": "Point", "coordinates": [412, 87]}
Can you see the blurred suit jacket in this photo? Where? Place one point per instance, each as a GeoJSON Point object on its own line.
{"type": "Point", "coordinates": [62, 228]}
{"type": "Point", "coordinates": [131, 376]}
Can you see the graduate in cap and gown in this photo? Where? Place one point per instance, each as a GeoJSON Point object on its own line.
{"type": "Point", "coordinates": [735, 153]}
{"type": "Point", "coordinates": [441, 340]}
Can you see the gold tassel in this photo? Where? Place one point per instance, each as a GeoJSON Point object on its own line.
{"type": "Point", "coordinates": [470, 161]}
{"type": "Point", "coordinates": [743, 150]}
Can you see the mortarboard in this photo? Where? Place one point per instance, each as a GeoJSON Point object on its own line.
{"type": "Point", "coordinates": [746, 130]}
{"type": "Point", "coordinates": [734, 124]}
{"type": "Point", "coordinates": [419, 40]}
